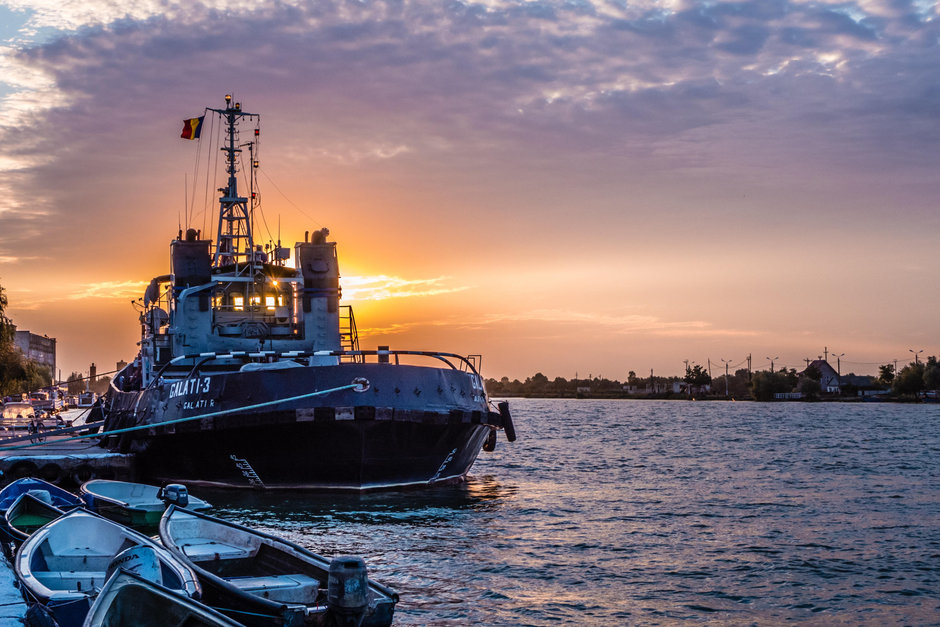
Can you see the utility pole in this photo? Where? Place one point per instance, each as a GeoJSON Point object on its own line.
{"type": "Point", "coordinates": [839, 368]}
{"type": "Point", "coordinates": [915, 354]}
{"type": "Point", "coordinates": [771, 359]}
{"type": "Point", "coordinates": [748, 367]}
{"type": "Point", "coordinates": [726, 374]}
{"type": "Point", "coordinates": [826, 352]}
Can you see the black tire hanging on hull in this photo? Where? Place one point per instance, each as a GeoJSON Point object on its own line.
{"type": "Point", "coordinates": [489, 444]}
{"type": "Point", "coordinates": [507, 421]}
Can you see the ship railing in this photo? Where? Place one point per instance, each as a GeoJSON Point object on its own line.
{"type": "Point", "coordinates": [348, 334]}
{"type": "Point", "coordinates": [178, 368]}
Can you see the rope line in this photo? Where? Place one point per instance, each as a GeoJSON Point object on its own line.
{"type": "Point", "coordinates": [222, 412]}
{"type": "Point", "coordinates": [230, 609]}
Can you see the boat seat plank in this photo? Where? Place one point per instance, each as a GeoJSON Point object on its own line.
{"type": "Point", "coordinates": [81, 551]}
{"type": "Point", "coordinates": [77, 561]}
{"type": "Point", "coordinates": [68, 579]}
{"type": "Point", "coordinates": [202, 549]}
{"type": "Point", "coordinates": [283, 588]}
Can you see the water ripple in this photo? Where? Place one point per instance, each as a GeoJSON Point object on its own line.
{"type": "Point", "coordinates": [657, 513]}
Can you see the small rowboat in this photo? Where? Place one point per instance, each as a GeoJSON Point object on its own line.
{"type": "Point", "coordinates": [260, 579]}
{"type": "Point", "coordinates": [28, 513]}
{"type": "Point", "coordinates": [52, 495]}
{"type": "Point", "coordinates": [63, 499]}
{"type": "Point", "coordinates": [136, 505]}
{"type": "Point", "coordinates": [129, 599]}
{"type": "Point", "coordinates": [64, 564]}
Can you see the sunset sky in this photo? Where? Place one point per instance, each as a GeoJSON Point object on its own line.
{"type": "Point", "coordinates": [568, 187]}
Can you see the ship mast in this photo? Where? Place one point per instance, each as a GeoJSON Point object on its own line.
{"type": "Point", "coordinates": [234, 242]}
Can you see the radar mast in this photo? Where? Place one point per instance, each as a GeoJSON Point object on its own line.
{"type": "Point", "coordinates": [234, 242]}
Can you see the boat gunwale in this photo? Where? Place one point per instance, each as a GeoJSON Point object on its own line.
{"type": "Point", "coordinates": [30, 583]}
{"type": "Point", "coordinates": [125, 578]}
{"type": "Point", "coordinates": [169, 541]}
{"type": "Point", "coordinates": [129, 506]}
{"type": "Point", "coordinates": [18, 504]}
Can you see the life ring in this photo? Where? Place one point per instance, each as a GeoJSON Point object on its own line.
{"type": "Point", "coordinates": [82, 474]}
{"type": "Point", "coordinates": [19, 470]}
{"type": "Point", "coordinates": [51, 473]}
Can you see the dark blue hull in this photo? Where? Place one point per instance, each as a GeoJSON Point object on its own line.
{"type": "Point", "coordinates": [412, 426]}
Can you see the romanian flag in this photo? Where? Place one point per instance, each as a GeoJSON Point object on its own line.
{"type": "Point", "coordinates": [192, 128]}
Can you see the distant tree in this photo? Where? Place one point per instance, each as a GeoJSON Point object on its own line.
{"type": "Point", "coordinates": [101, 385]}
{"type": "Point", "coordinates": [76, 383]}
{"type": "Point", "coordinates": [17, 373]}
{"type": "Point", "coordinates": [697, 376]}
{"type": "Point", "coordinates": [886, 373]}
{"type": "Point", "coordinates": [7, 330]}
{"type": "Point", "coordinates": [738, 384]}
{"type": "Point", "coordinates": [910, 381]}
{"type": "Point", "coordinates": [932, 374]}
{"type": "Point", "coordinates": [631, 378]}
{"type": "Point", "coordinates": [765, 384]}
{"type": "Point", "coordinates": [809, 388]}
{"type": "Point", "coordinates": [537, 382]}
{"type": "Point", "coordinates": [812, 372]}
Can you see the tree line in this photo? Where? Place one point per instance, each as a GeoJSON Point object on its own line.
{"type": "Point", "coordinates": [17, 373]}
{"type": "Point", "coordinates": [910, 383]}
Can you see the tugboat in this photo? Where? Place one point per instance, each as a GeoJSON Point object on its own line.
{"type": "Point", "coordinates": [250, 375]}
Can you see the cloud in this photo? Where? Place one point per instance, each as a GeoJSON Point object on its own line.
{"type": "Point", "coordinates": [576, 96]}
{"type": "Point", "coordinates": [382, 287]}
{"type": "Point", "coordinates": [100, 291]}
{"type": "Point", "coordinates": [623, 324]}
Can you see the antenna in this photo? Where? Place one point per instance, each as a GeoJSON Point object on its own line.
{"type": "Point", "coordinates": [235, 242]}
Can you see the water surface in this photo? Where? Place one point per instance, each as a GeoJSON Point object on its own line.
{"type": "Point", "coordinates": [656, 513]}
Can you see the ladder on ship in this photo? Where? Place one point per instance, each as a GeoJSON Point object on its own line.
{"type": "Point", "coordinates": [348, 335]}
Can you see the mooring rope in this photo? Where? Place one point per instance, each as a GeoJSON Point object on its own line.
{"type": "Point", "coordinates": [213, 414]}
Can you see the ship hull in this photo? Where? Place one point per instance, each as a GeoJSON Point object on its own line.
{"type": "Point", "coordinates": [412, 426]}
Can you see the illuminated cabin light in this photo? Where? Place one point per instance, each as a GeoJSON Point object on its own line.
{"type": "Point", "coordinates": [255, 301]}
{"type": "Point", "coordinates": [269, 302]}
{"type": "Point", "coordinates": [238, 302]}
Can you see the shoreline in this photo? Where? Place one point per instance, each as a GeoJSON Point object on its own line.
{"type": "Point", "coordinates": [712, 398]}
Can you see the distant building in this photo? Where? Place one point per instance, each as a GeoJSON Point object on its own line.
{"type": "Point", "coordinates": [829, 381]}
{"type": "Point", "coordinates": [38, 348]}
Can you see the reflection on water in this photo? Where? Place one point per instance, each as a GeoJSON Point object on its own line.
{"type": "Point", "coordinates": [403, 507]}
{"type": "Point", "coordinates": [654, 513]}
